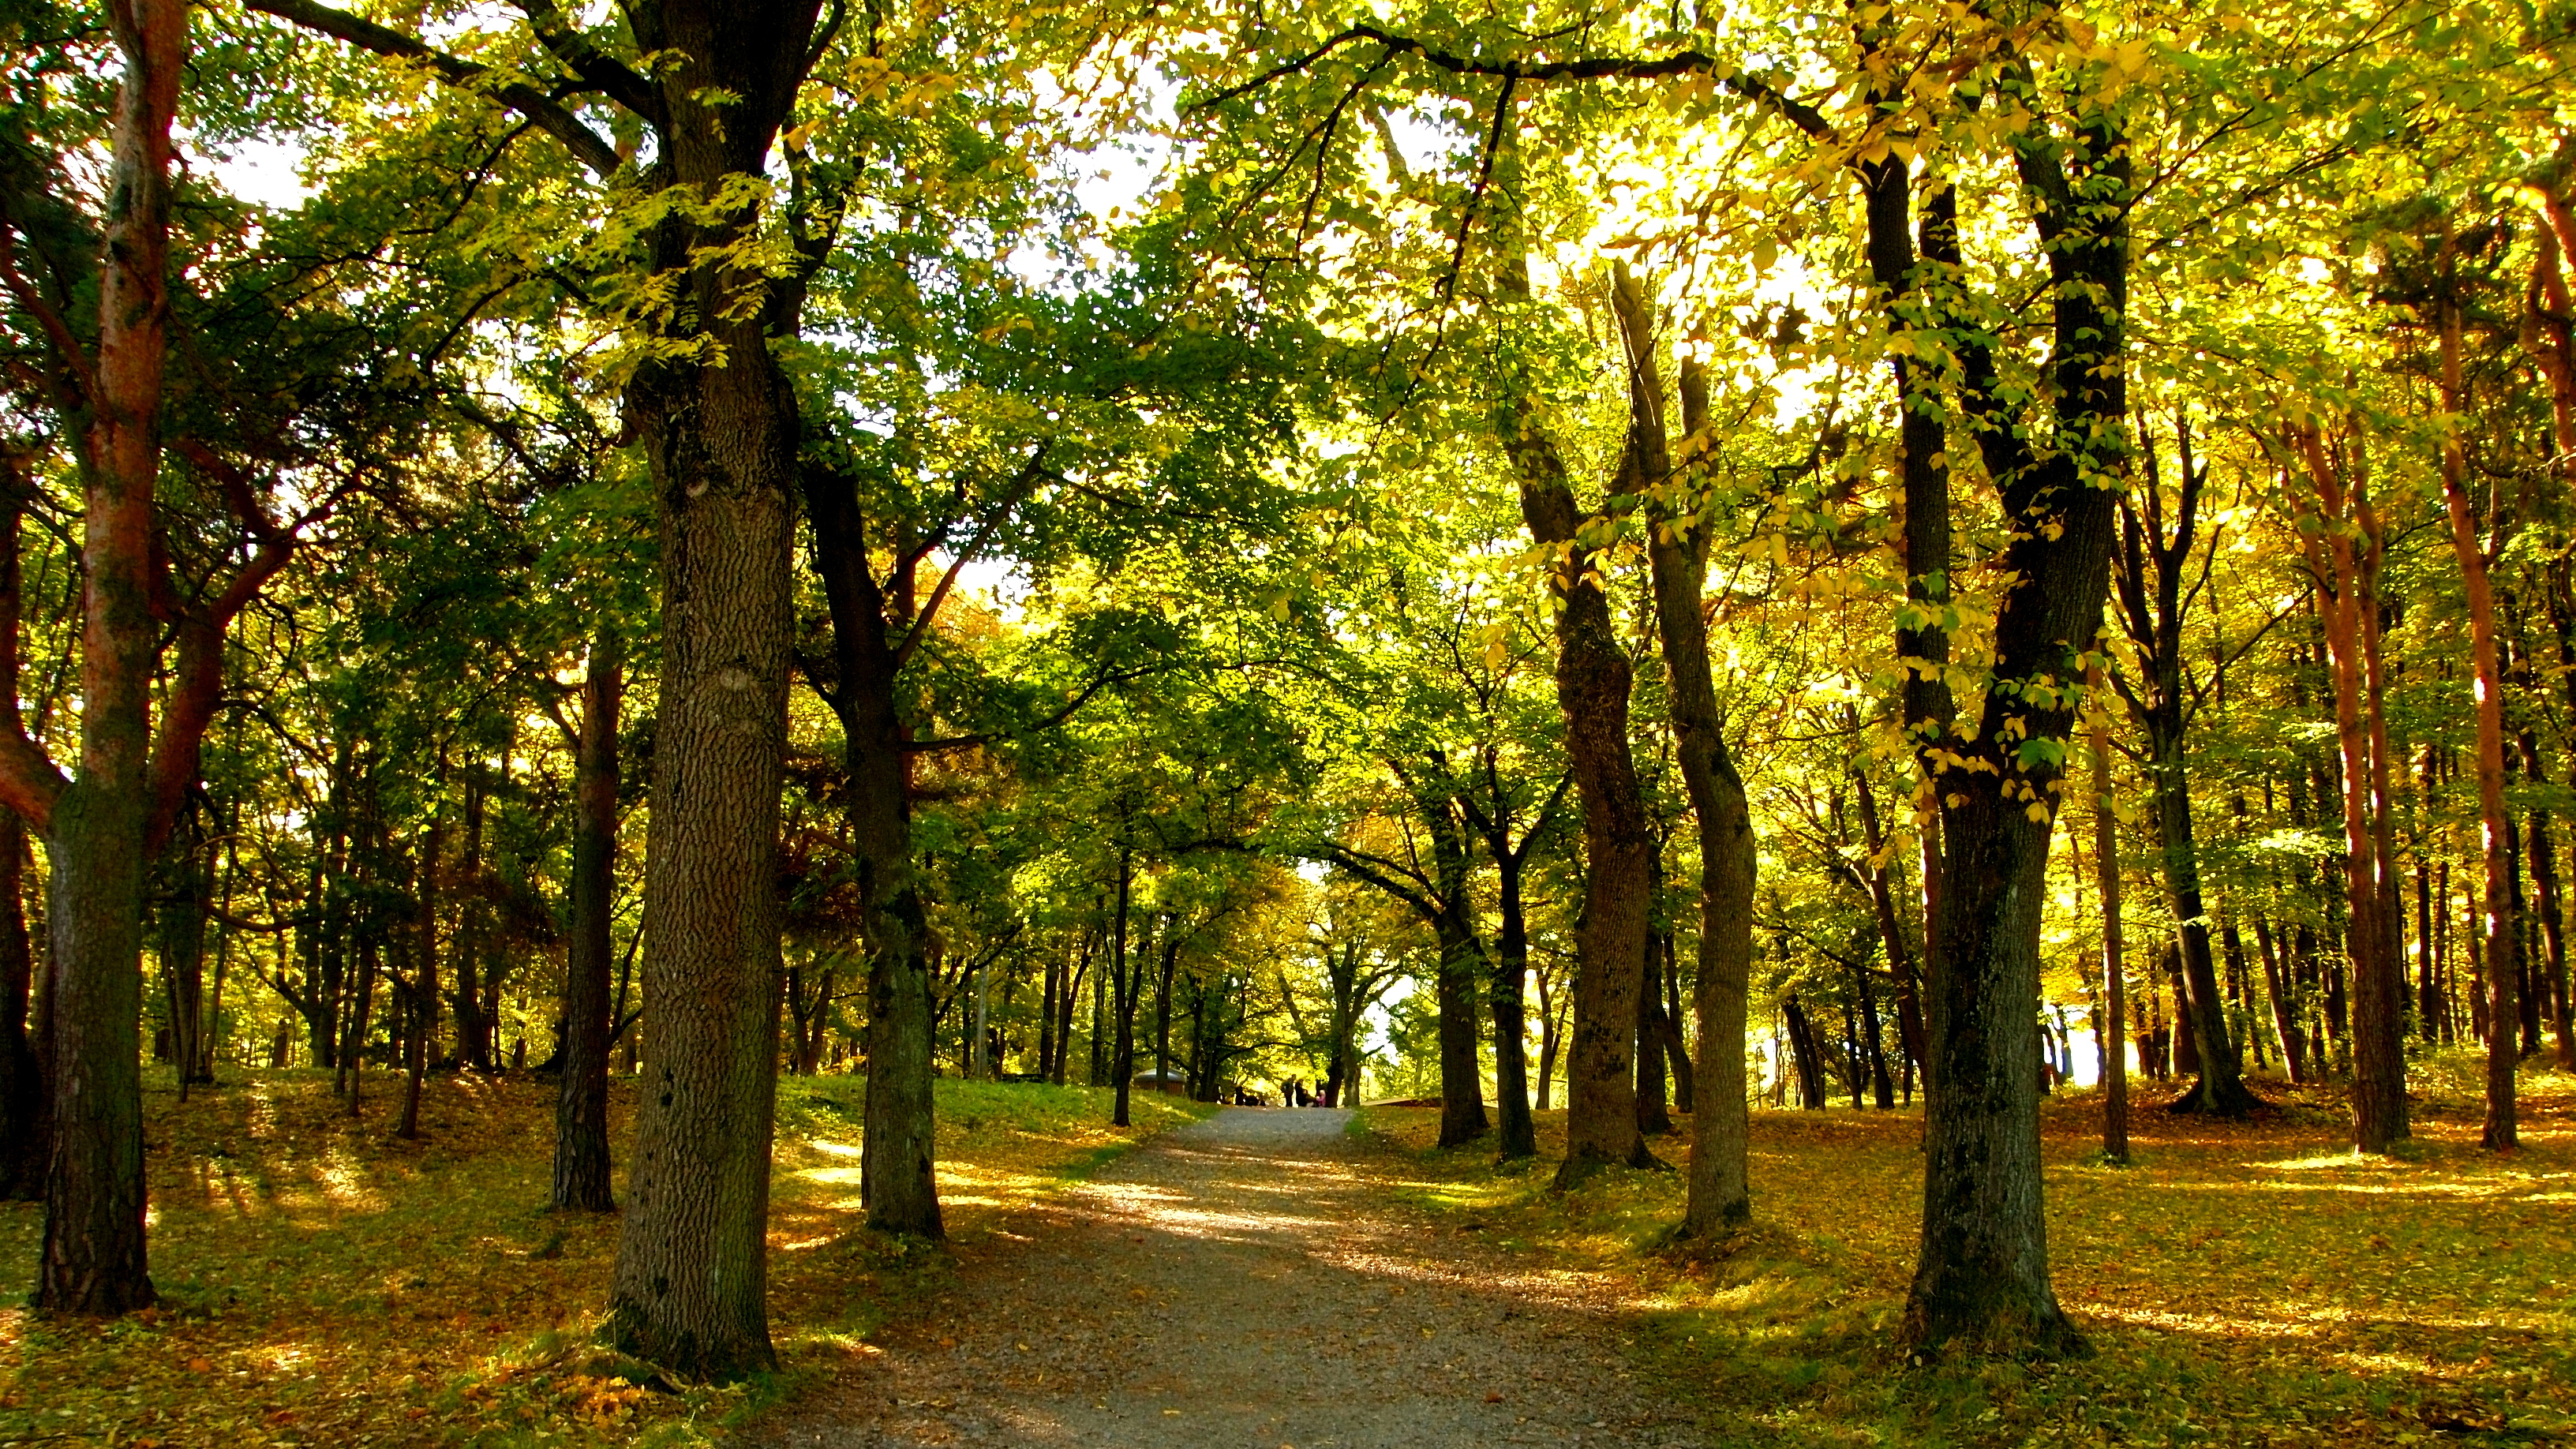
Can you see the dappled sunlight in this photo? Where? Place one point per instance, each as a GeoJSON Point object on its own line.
{"type": "Point", "coordinates": [325, 1283]}
{"type": "Point", "coordinates": [2301, 1283]}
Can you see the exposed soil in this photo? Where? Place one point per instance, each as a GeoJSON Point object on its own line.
{"type": "Point", "coordinates": [1252, 1280]}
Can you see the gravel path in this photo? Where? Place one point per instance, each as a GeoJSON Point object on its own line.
{"type": "Point", "coordinates": [1245, 1281]}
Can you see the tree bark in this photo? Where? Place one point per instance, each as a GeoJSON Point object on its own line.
{"type": "Point", "coordinates": [97, 825]}
{"type": "Point", "coordinates": [2106, 867]}
{"type": "Point", "coordinates": [1982, 1281]}
{"type": "Point", "coordinates": [2503, 954]}
{"type": "Point", "coordinates": [1516, 1134]}
{"type": "Point", "coordinates": [2378, 981]}
{"type": "Point", "coordinates": [181, 917]}
{"type": "Point", "coordinates": [2153, 555]}
{"type": "Point", "coordinates": [23, 1147]}
{"type": "Point", "coordinates": [1592, 689]}
{"type": "Point", "coordinates": [581, 1176]}
{"type": "Point", "coordinates": [719, 427]}
{"type": "Point", "coordinates": [1719, 1197]}
{"type": "Point", "coordinates": [421, 1000]}
{"type": "Point", "coordinates": [1462, 964]}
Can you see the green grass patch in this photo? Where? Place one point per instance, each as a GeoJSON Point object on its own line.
{"type": "Point", "coordinates": [2254, 1285]}
{"type": "Point", "coordinates": [325, 1284]}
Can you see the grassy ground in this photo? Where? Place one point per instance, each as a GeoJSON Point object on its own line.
{"type": "Point", "coordinates": [327, 1285]}
{"type": "Point", "coordinates": [2247, 1285]}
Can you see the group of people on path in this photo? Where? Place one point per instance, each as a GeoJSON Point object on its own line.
{"type": "Point", "coordinates": [1292, 1093]}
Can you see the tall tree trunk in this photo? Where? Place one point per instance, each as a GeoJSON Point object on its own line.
{"type": "Point", "coordinates": [1891, 927]}
{"type": "Point", "coordinates": [2503, 956]}
{"type": "Point", "coordinates": [1654, 1087]}
{"type": "Point", "coordinates": [1516, 1134]}
{"type": "Point", "coordinates": [181, 916]}
{"type": "Point", "coordinates": [1462, 963]}
{"type": "Point", "coordinates": [719, 426]}
{"type": "Point", "coordinates": [2153, 555]}
{"type": "Point", "coordinates": [1592, 689]}
{"type": "Point", "coordinates": [97, 824]}
{"type": "Point", "coordinates": [23, 1147]}
{"type": "Point", "coordinates": [2106, 874]}
{"type": "Point", "coordinates": [1982, 1280]}
{"type": "Point", "coordinates": [581, 1178]}
{"type": "Point", "coordinates": [1719, 1198]}
{"type": "Point", "coordinates": [1126, 982]}
{"type": "Point", "coordinates": [421, 999]}
{"type": "Point", "coordinates": [1049, 987]}
{"type": "Point", "coordinates": [473, 1033]}
{"type": "Point", "coordinates": [899, 1144]}
{"type": "Point", "coordinates": [2379, 1062]}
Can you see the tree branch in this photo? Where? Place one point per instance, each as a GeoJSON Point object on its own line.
{"type": "Point", "coordinates": [584, 143]}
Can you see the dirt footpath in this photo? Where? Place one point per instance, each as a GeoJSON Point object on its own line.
{"type": "Point", "coordinates": [1246, 1281]}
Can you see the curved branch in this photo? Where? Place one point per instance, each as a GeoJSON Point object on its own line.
{"type": "Point", "coordinates": [549, 114]}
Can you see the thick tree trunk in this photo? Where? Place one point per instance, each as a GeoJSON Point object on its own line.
{"type": "Point", "coordinates": [720, 433]}
{"type": "Point", "coordinates": [581, 1178]}
{"type": "Point", "coordinates": [97, 825]}
{"type": "Point", "coordinates": [1982, 1279]}
{"type": "Point", "coordinates": [1592, 689]}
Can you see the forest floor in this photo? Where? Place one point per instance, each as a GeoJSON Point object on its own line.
{"type": "Point", "coordinates": [2252, 1284]}
{"type": "Point", "coordinates": [1258, 1279]}
{"type": "Point", "coordinates": [326, 1285]}
{"type": "Point", "coordinates": [1267, 1279]}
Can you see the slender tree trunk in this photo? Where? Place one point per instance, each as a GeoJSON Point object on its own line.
{"type": "Point", "coordinates": [1654, 1089]}
{"type": "Point", "coordinates": [1891, 927]}
{"type": "Point", "coordinates": [2495, 826]}
{"type": "Point", "coordinates": [421, 1020]}
{"type": "Point", "coordinates": [2106, 868]}
{"type": "Point", "coordinates": [1719, 1198]}
{"type": "Point", "coordinates": [1049, 987]}
{"type": "Point", "coordinates": [23, 1147]}
{"type": "Point", "coordinates": [2379, 1063]}
{"type": "Point", "coordinates": [1516, 1135]}
{"type": "Point", "coordinates": [581, 1177]}
{"type": "Point", "coordinates": [1122, 1065]}
{"type": "Point", "coordinates": [181, 916]}
{"type": "Point", "coordinates": [899, 1143]}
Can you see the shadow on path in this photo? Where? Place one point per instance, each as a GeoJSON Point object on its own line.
{"type": "Point", "coordinates": [1245, 1281]}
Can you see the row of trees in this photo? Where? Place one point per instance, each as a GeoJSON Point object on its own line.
{"type": "Point", "coordinates": [1647, 500]}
